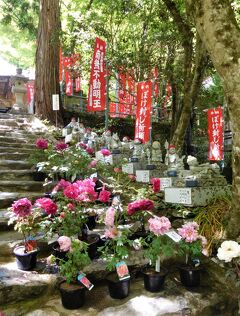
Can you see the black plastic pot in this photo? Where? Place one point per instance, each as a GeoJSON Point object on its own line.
{"type": "Point", "coordinates": [117, 289]}
{"type": "Point", "coordinates": [25, 261]}
{"type": "Point", "coordinates": [72, 295]}
{"type": "Point", "coordinates": [153, 281]}
{"type": "Point", "coordinates": [93, 242]}
{"type": "Point", "coordinates": [59, 254]}
{"type": "Point", "coordinates": [39, 176]}
{"type": "Point", "coordinates": [91, 222]}
{"type": "Point", "coordinates": [190, 276]}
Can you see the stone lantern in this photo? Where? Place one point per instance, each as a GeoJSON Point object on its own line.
{"type": "Point", "coordinates": [19, 90]}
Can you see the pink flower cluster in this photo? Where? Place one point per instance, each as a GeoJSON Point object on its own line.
{"type": "Point", "coordinates": [62, 184]}
{"type": "Point", "coordinates": [140, 205]}
{"type": "Point", "coordinates": [93, 164]}
{"type": "Point", "coordinates": [82, 191]}
{"type": "Point", "coordinates": [22, 207]}
{"type": "Point", "coordinates": [104, 196]}
{"type": "Point", "coordinates": [117, 169]}
{"type": "Point", "coordinates": [159, 225]}
{"type": "Point", "coordinates": [64, 243]}
{"type": "Point", "coordinates": [82, 145]}
{"type": "Point", "coordinates": [90, 150]}
{"type": "Point", "coordinates": [61, 146]}
{"type": "Point", "coordinates": [41, 143]}
{"type": "Point", "coordinates": [110, 215]}
{"type": "Point", "coordinates": [111, 232]}
{"type": "Point", "coordinates": [47, 205]}
{"type": "Point", "coordinates": [132, 177]}
{"type": "Point", "coordinates": [155, 184]}
{"type": "Point", "coordinates": [105, 152]}
{"type": "Point", "coordinates": [189, 232]}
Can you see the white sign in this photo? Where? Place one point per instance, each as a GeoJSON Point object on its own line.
{"type": "Point", "coordinates": [55, 102]}
{"type": "Point", "coordinates": [143, 176]}
{"type": "Point", "coordinates": [174, 236]}
{"type": "Point", "coordinates": [165, 183]}
{"type": "Point", "coordinates": [178, 195]}
{"type": "Point", "coordinates": [128, 168]}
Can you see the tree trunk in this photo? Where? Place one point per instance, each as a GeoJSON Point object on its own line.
{"type": "Point", "coordinates": [47, 59]}
{"type": "Point", "coordinates": [218, 29]}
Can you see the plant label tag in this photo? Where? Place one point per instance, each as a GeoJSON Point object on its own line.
{"type": "Point", "coordinates": [31, 243]}
{"type": "Point", "coordinates": [174, 236]}
{"type": "Point", "coordinates": [55, 102]}
{"type": "Point", "coordinates": [94, 175]}
{"type": "Point", "coordinates": [122, 270]}
{"type": "Point", "coordinates": [84, 280]}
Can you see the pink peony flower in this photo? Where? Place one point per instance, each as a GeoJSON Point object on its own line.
{"type": "Point", "coordinates": [86, 190]}
{"type": "Point", "coordinates": [48, 205]}
{"type": "Point", "coordinates": [132, 177]}
{"type": "Point", "coordinates": [111, 232]}
{"type": "Point", "coordinates": [140, 205]}
{"type": "Point", "coordinates": [188, 232]}
{"type": "Point", "coordinates": [105, 152]}
{"type": "Point", "coordinates": [90, 150]}
{"type": "Point", "coordinates": [71, 191]}
{"type": "Point", "coordinates": [83, 146]}
{"type": "Point", "coordinates": [109, 218]}
{"type": "Point", "coordinates": [64, 243]}
{"type": "Point", "coordinates": [70, 206]}
{"type": "Point", "coordinates": [61, 146]}
{"type": "Point", "coordinates": [155, 184]}
{"type": "Point", "coordinates": [62, 184]}
{"type": "Point", "coordinates": [104, 196]}
{"type": "Point", "coordinates": [159, 225]}
{"type": "Point", "coordinates": [41, 143]}
{"type": "Point", "coordinates": [22, 207]}
{"type": "Point", "coordinates": [117, 170]}
{"type": "Point", "coordinates": [93, 164]}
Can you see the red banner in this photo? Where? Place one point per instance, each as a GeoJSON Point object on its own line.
{"type": "Point", "coordinates": [77, 84]}
{"type": "Point", "coordinates": [143, 113]}
{"type": "Point", "coordinates": [60, 65]}
{"type": "Point", "coordinates": [67, 63]}
{"type": "Point", "coordinates": [97, 86]}
{"type": "Point", "coordinates": [156, 84]}
{"type": "Point", "coordinates": [30, 92]}
{"type": "Point", "coordinates": [215, 134]}
{"type": "Point", "coordinates": [131, 94]}
{"type": "Point", "coordinates": [168, 90]}
{"type": "Point", "coordinates": [113, 110]}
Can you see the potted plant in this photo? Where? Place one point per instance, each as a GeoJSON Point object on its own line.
{"type": "Point", "coordinates": [191, 245]}
{"type": "Point", "coordinates": [71, 290]}
{"type": "Point", "coordinates": [158, 244]}
{"type": "Point", "coordinates": [26, 221]}
{"type": "Point", "coordinates": [114, 251]}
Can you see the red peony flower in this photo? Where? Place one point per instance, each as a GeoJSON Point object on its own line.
{"type": "Point", "coordinates": [61, 146]}
{"type": "Point", "coordinates": [104, 196]}
{"type": "Point", "coordinates": [117, 169]}
{"type": "Point", "coordinates": [140, 205]}
{"type": "Point", "coordinates": [41, 143]}
{"type": "Point", "coordinates": [132, 177]}
{"type": "Point", "coordinates": [71, 191]}
{"type": "Point", "coordinates": [62, 184]}
{"type": "Point", "coordinates": [83, 146]}
{"type": "Point", "coordinates": [62, 214]}
{"type": "Point", "coordinates": [93, 164]}
{"type": "Point", "coordinates": [47, 204]}
{"type": "Point", "coordinates": [105, 152]}
{"type": "Point", "coordinates": [70, 206]}
{"type": "Point", "coordinates": [22, 207]}
{"type": "Point", "coordinates": [155, 184]}
{"type": "Point", "coordinates": [89, 150]}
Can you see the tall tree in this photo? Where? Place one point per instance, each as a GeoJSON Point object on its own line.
{"type": "Point", "coordinates": [47, 58]}
{"type": "Point", "coordinates": [217, 26]}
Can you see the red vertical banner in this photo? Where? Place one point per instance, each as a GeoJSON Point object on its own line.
{"type": "Point", "coordinates": [67, 63]}
{"type": "Point", "coordinates": [168, 91]}
{"type": "Point", "coordinates": [131, 94]}
{"type": "Point", "coordinates": [122, 94]}
{"type": "Point", "coordinates": [215, 134]}
{"type": "Point", "coordinates": [30, 92]}
{"type": "Point", "coordinates": [97, 85]}
{"type": "Point", "coordinates": [112, 109]}
{"type": "Point", "coordinates": [143, 112]}
{"type": "Point", "coordinates": [77, 84]}
{"type": "Point", "coordinates": [60, 65]}
{"type": "Point", "coordinates": [156, 85]}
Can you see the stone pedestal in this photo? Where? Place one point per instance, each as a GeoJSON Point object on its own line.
{"type": "Point", "coordinates": [198, 196]}
{"type": "Point", "coordinates": [146, 175]}
{"type": "Point", "coordinates": [165, 183]}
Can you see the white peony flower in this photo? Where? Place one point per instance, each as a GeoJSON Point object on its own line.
{"type": "Point", "coordinates": [229, 249]}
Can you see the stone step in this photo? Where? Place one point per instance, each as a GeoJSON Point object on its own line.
{"type": "Point", "coordinates": [16, 186]}
{"type": "Point", "coordinates": [13, 156]}
{"type": "Point", "coordinates": [14, 139]}
{"type": "Point", "coordinates": [16, 174]}
{"type": "Point", "coordinates": [21, 134]}
{"type": "Point", "coordinates": [7, 198]}
{"type": "Point", "coordinates": [4, 149]}
{"type": "Point", "coordinates": [14, 165]}
{"type": "Point", "coordinates": [16, 144]}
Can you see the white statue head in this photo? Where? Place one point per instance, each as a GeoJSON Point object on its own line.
{"type": "Point", "coordinates": [171, 149]}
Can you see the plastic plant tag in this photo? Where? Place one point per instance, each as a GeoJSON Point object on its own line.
{"type": "Point", "coordinates": [84, 280]}
{"type": "Point", "coordinates": [94, 175]}
{"type": "Point", "coordinates": [30, 244]}
{"type": "Point", "coordinates": [174, 236]}
{"type": "Point", "coordinates": [122, 270]}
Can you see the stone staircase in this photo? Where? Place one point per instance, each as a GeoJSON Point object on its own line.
{"type": "Point", "coordinates": [17, 137]}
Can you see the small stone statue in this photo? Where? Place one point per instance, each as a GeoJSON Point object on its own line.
{"type": "Point", "coordinates": [171, 159]}
{"type": "Point", "coordinates": [156, 152]}
{"type": "Point", "coordinates": [115, 144]}
{"type": "Point", "coordinates": [137, 150]}
{"type": "Point", "coordinates": [89, 137]}
{"type": "Point", "coordinates": [107, 139]}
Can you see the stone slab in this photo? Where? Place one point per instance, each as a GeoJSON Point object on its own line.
{"type": "Point", "coordinates": [198, 196]}
{"type": "Point", "coordinates": [145, 176]}
{"type": "Point", "coordinates": [131, 167]}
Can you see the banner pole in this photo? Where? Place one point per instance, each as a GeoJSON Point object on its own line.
{"type": "Point", "coordinates": [107, 92]}
{"type": "Point", "coordinates": [151, 112]}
